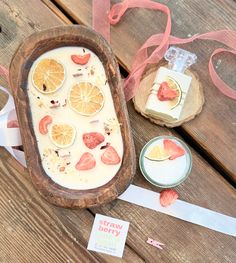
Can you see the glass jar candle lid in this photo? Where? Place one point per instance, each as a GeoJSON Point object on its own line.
{"type": "Point", "coordinates": [165, 161]}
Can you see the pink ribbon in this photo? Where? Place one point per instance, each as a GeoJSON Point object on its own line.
{"type": "Point", "coordinates": [100, 17]}
{"type": "Point", "coordinates": [162, 42]}
{"type": "Point", "coordinates": [4, 72]}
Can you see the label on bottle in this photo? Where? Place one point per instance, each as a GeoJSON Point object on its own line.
{"type": "Point", "coordinates": [168, 94]}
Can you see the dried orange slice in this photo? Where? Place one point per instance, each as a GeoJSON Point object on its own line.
{"type": "Point", "coordinates": [86, 99]}
{"type": "Point", "coordinates": [48, 75]}
{"type": "Point", "coordinates": [158, 153]}
{"type": "Point", "coordinates": [175, 86]}
{"type": "Point", "coordinates": [62, 134]}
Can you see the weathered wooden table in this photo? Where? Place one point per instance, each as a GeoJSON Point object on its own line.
{"type": "Point", "coordinates": [31, 230]}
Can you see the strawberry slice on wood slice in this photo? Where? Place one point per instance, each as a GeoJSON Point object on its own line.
{"type": "Point", "coordinates": [86, 162]}
{"type": "Point", "coordinates": [168, 197]}
{"type": "Point", "coordinates": [93, 139]}
{"type": "Point", "coordinates": [81, 59]}
{"type": "Point", "coordinates": [173, 149]}
{"type": "Point", "coordinates": [165, 93]}
{"type": "Point", "coordinates": [110, 156]}
{"type": "Point", "coordinates": [43, 124]}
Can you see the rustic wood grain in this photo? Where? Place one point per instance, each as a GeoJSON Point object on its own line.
{"type": "Point", "coordinates": [185, 242]}
{"type": "Point", "coordinates": [31, 229]}
{"type": "Point", "coordinates": [56, 11]}
{"type": "Point", "coordinates": [214, 129]}
{"type": "Point", "coordinates": [32, 48]}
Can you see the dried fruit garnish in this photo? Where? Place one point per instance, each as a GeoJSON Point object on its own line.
{"type": "Point", "coordinates": [93, 139]}
{"type": "Point", "coordinates": [13, 124]}
{"type": "Point", "coordinates": [43, 124]}
{"type": "Point", "coordinates": [158, 153]}
{"type": "Point", "coordinates": [40, 104]}
{"type": "Point", "coordinates": [86, 99]}
{"type": "Point", "coordinates": [86, 162]}
{"type": "Point", "coordinates": [166, 93]}
{"type": "Point", "coordinates": [111, 125]}
{"type": "Point", "coordinates": [77, 75]}
{"type": "Point", "coordinates": [54, 104]}
{"type": "Point", "coordinates": [62, 134]}
{"type": "Point", "coordinates": [44, 87]}
{"type": "Point", "coordinates": [105, 146]}
{"type": "Point", "coordinates": [81, 59]}
{"type": "Point", "coordinates": [110, 156]}
{"type": "Point", "coordinates": [48, 75]}
{"type": "Point", "coordinates": [168, 197]}
{"type": "Point", "coordinates": [65, 103]}
{"type": "Point", "coordinates": [63, 153]}
{"type": "Point", "coordinates": [62, 169]}
{"type": "Point", "coordinates": [94, 121]}
{"type": "Point", "coordinates": [173, 149]}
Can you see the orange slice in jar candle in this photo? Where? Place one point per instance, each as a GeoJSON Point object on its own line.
{"type": "Point", "coordinates": [158, 153]}
{"type": "Point", "coordinates": [175, 87]}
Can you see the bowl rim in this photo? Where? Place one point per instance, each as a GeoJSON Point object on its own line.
{"type": "Point", "coordinates": [144, 172]}
{"type": "Point", "coordinates": [21, 63]}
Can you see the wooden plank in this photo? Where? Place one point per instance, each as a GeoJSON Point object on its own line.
{"type": "Point", "coordinates": [184, 241]}
{"type": "Point", "coordinates": [56, 11]}
{"type": "Point", "coordinates": [214, 130]}
{"type": "Point", "coordinates": [159, 226]}
{"type": "Point", "coordinates": [32, 230]}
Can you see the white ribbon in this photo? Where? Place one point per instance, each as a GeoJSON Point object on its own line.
{"type": "Point", "coordinates": [182, 210]}
{"type": "Point", "coordinates": [10, 136]}
{"type": "Point", "coordinates": [134, 194]}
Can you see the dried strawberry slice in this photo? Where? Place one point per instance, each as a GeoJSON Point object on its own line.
{"type": "Point", "coordinates": [173, 149]}
{"type": "Point", "coordinates": [86, 162]}
{"type": "Point", "coordinates": [110, 156]}
{"type": "Point", "coordinates": [43, 124]}
{"type": "Point", "coordinates": [166, 93]}
{"type": "Point", "coordinates": [81, 60]}
{"type": "Point", "coordinates": [93, 139]}
{"type": "Point", "coordinates": [13, 124]}
{"type": "Point", "coordinates": [168, 197]}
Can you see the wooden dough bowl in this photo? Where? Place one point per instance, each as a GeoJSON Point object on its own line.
{"type": "Point", "coordinates": [34, 46]}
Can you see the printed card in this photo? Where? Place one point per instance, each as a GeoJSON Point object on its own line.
{"type": "Point", "coordinates": [108, 235]}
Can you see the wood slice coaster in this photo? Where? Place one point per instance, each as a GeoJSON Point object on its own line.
{"type": "Point", "coordinates": [192, 107]}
